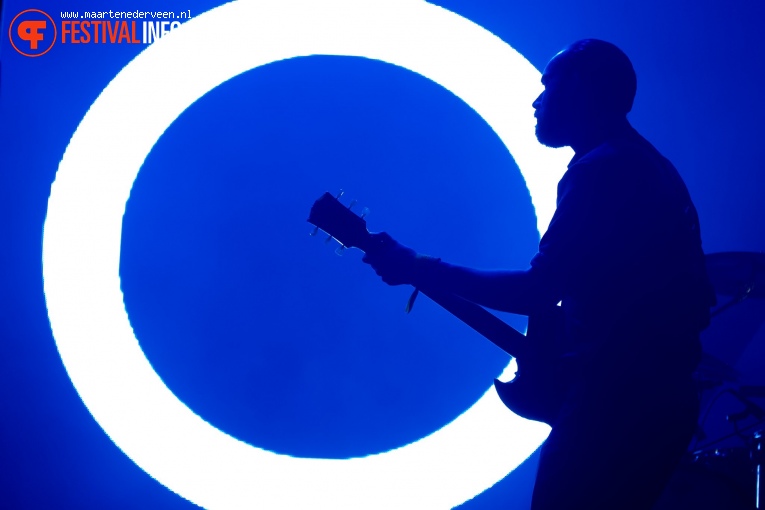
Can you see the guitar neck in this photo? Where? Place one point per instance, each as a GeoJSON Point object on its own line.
{"type": "Point", "coordinates": [482, 321]}
{"type": "Point", "coordinates": [478, 318]}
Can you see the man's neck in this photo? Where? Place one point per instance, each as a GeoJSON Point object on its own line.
{"type": "Point", "coordinates": [595, 135]}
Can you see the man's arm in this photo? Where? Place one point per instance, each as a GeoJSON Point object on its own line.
{"type": "Point", "coordinates": [521, 292]}
{"type": "Point", "coordinates": [516, 291]}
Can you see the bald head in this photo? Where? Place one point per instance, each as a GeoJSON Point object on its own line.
{"type": "Point", "coordinates": [604, 70]}
{"type": "Point", "coordinates": [589, 86]}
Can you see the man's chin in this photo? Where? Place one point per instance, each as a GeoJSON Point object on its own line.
{"type": "Point", "coordinates": [549, 139]}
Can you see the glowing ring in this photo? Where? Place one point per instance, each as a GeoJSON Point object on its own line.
{"type": "Point", "coordinates": [81, 250]}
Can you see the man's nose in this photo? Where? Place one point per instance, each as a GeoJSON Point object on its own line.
{"type": "Point", "coordinates": [537, 102]}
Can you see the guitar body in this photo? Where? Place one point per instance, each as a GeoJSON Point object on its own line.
{"type": "Point", "coordinates": [537, 396]}
{"type": "Point", "coordinates": [541, 383]}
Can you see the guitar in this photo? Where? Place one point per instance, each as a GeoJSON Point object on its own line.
{"type": "Point", "coordinates": [537, 391]}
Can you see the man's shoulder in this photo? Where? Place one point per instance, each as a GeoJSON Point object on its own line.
{"type": "Point", "coordinates": [625, 146]}
{"type": "Point", "coordinates": [597, 166]}
{"type": "Point", "coordinates": [623, 157]}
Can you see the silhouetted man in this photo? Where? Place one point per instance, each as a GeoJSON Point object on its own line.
{"type": "Point", "coordinates": [623, 256]}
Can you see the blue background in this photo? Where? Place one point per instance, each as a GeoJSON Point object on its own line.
{"type": "Point", "coordinates": [258, 327]}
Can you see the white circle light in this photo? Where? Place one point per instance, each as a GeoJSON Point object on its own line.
{"type": "Point", "coordinates": [81, 252]}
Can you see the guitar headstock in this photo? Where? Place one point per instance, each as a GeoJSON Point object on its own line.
{"type": "Point", "coordinates": [337, 220]}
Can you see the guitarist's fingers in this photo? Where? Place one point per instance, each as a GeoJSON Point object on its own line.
{"type": "Point", "coordinates": [390, 260]}
{"type": "Point", "coordinates": [382, 243]}
{"type": "Point", "coordinates": [383, 268]}
{"type": "Point", "coordinates": [382, 240]}
{"type": "Point", "coordinates": [376, 261]}
{"type": "Point", "coordinates": [379, 263]}
{"type": "Point", "coordinates": [390, 273]}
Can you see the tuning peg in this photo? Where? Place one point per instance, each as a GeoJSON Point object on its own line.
{"type": "Point", "coordinates": [328, 239]}
{"type": "Point", "coordinates": [314, 231]}
{"type": "Point", "coordinates": [339, 194]}
{"type": "Point", "coordinates": [339, 251]}
{"type": "Point", "coordinates": [353, 202]}
{"type": "Point", "coordinates": [364, 212]}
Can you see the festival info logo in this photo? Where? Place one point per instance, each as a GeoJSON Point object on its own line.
{"type": "Point", "coordinates": [32, 33]}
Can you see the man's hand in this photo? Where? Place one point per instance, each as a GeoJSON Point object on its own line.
{"type": "Point", "coordinates": [395, 263]}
